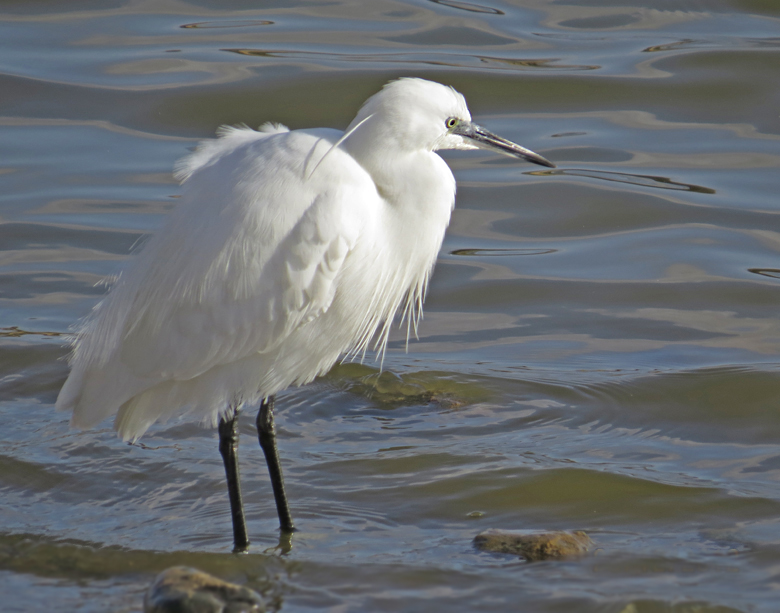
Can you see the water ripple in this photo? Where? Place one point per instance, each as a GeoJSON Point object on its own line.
{"type": "Point", "coordinates": [484, 62]}
{"type": "Point", "coordinates": [501, 252]}
{"type": "Point", "coordinates": [738, 43]}
{"type": "Point", "coordinates": [204, 25]}
{"type": "Point", "coordinates": [653, 181]}
{"type": "Point", "coordinates": [468, 6]}
{"type": "Point", "coordinates": [766, 272]}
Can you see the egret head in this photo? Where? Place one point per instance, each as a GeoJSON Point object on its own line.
{"type": "Point", "coordinates": [413, 114]}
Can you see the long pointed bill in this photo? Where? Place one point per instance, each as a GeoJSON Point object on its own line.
{"type": "Point", "coordinates": [487, 140]}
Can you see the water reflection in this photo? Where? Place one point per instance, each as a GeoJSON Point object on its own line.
{"type": "Point", "coordinates": [433, 59]}
{"type": "Point", "coordinates": [690, 44]}
{"type": "Point", "coordinates": [651, 181]}
{"type": "Point", "coordinates": [468, 6]}
{"type": "Point", "coordinates": [15, 332]}
{"type": "Point", "coordinates": [766, 272]}
{"type": "Point", "coordinates": [501, 252]}
{"type": "Point", "coordinates": [546, 64]}
{"type": "Point", "coordinates": [249, 23]}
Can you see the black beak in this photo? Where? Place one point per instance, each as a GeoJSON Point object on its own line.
{"type": "Point", "coordinates": [487, 140]}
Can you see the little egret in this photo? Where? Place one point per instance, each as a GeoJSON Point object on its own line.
{"type": "Point", "coordinates": [288, 251]}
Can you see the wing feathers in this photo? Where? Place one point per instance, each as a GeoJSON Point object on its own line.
{"type": "Point", "coordinates": [237, 269]}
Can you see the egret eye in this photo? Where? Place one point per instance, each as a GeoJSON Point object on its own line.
{"type": "Point", "coordinates": [452, 122]}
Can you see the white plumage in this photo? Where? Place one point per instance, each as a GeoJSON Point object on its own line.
{"type": "Point", "coordinates": [287, 251]}
{"type": "Point", "coordinates": [270, 269]}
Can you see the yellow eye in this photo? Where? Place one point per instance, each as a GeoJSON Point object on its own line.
{"type": "Point", "coordinates": [452, 122]}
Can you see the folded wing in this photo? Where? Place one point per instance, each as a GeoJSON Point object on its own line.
{"type": "Point", "coordinates": [253, 251]}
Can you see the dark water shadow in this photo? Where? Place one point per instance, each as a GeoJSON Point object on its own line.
{"type": "Point", "coordinates": [44, 556]}
{"type": "Point", "coordinates": [501, 252]}
{"type": "Point", "coordinates": [15, 332]}
{"type": "Point", "coordinates": [468, 6]}
{"type": "Point", "coordinates": [484, 62]}
{"type": "Point", "coordinates": [693, 44]}
{"type": "Point", "coordinates": [652, 181]}
{"type": "Point", "coordinates": [766, 272]}
{"type": "Point", "coordinates": [208, 25]}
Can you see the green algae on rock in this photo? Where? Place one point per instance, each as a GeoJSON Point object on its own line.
{"type": "Point", "coordinates": [181, 589]}
{"type": "Point", "coordinates": [389, 389]}
{"type": "Point", "coordinates": [534, 545]}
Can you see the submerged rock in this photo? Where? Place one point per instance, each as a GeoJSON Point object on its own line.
{"type": "Point", "coordinates": [389, 390]}
{"type": "Point", "coordinates": [534, 545]}
{"type": "Point", "coordinates": [181, 589]}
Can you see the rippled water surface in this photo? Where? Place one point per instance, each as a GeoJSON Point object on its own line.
{"type": "Point", "coordinates": [601, 343]}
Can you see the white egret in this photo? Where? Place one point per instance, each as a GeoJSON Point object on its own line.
{"type": "Point", "coordinates": [287, 251]}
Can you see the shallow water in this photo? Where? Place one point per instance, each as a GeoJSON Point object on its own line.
{"type": "Point", "coordinates": [600, 345]}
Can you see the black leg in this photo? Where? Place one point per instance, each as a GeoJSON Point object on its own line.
{"type": "Point", "coordinates": [266, 432]}
{"type": "Point", "coordinates": [228, 447]}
